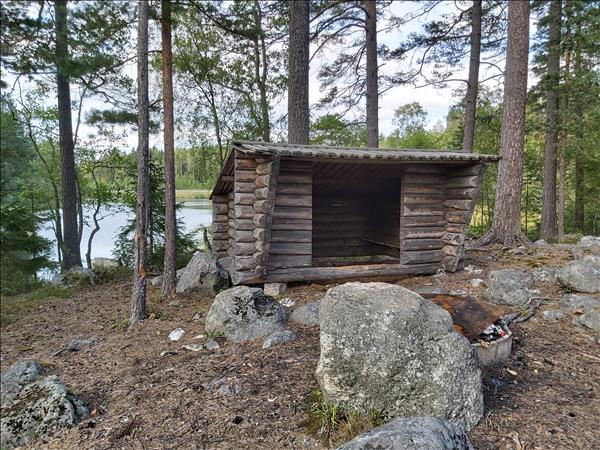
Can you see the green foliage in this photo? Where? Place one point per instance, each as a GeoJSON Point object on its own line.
{"type": "Point", "coordinates": [123, 250]}
{"type": "Point", "coordinates": [332, 129]}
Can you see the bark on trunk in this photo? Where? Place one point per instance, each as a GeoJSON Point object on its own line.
{"type": "Point", "coordinates": [138, 307]}
{"type": "Point", "coordinates": [170, 269]}
{"type": "Point", "coordinates": [562, 159]}
{"type": "Point", "coordinates": [548, 226]}
{"type": "Point", "coordinates": [372, 93]}
{"type": "Point", "coordinates": [579, 161]}
{"type": "Point", "coordinates": [261, 73]}
{"type": "Point", "coordinates": [71, 251]}
{"type": "Point", "coordinates": [506, 227]}
{"type": "Point", "coordinates": [298, 111]}
{"type": "Point", "coordinates": [473, 83]}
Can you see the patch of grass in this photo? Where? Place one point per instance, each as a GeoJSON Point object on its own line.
{"type": "Point", "coordinates": [334, 425]}
{"type": "Point", "coordinates": [213, 334]}
{"type": "Point", "coordinates": [192, 194]}
{"type": "Point", "coordinates": [13, 307]}
{"type": "Point", "coordinates": [121, 324]}
{"type": "Point", "coordinates": [106, 274]}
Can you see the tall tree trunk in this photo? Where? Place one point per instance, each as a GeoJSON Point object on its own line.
{"type": "Point", "coordinates": [562, 158]}
{"type": "Point", "coordinates": [170, 269]}
{"type": "Point", "coordinates": [506, 227]}
{"type": "Point", "coordinates": [71, 251]}
{"type": "Point", "coordinates": [372, 80]}
{"type": "Point", "coordinates": [298, 112]}
{"type": "Point", "coordinates": [473, 83]}
{"type": "Point", "coordinates": [261, 72]}
{"type": "Point", "coordinates": [138, 308]}
{"type": "Point", "coordinates": [579, 162]}
{"type": "Point", "coordinates": [548, 226]}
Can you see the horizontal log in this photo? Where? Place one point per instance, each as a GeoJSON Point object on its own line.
{"type": "Point", "coordinates": [261, 206]}
{"type": "Point", "coordinates": [418, 256]}
{"type": "Point", "coordinates": [462, 182]}
{"type": "Point", "coordinates": [220, 235]}
{"type": "Point", "coordinates": [457, 217]}
{"type": "Point", "coordinates": [244, 212]}
{"type": "Point", "coordinates": [262, 181]}
{"type": "Point", "coordinates": [293, 200]}
{"type": "Point", "coordinates": [460, 193]}
{"type": "Point", "coordinates": [460, 205]}
{"type": "Point", "coordinates": [260, 234]}
{"type": "Point", "coordinates": [291, 236]}
{"type": "Point", "coordinates": [277, 261]}
{"type": "Point", "coordinates": [411, 199]}
{"type": "Point", "coordinates": [465, 171]}
{"type": "Point", "coordinates": [422, 179]}
{"type": "Point", "coordinates": [421, 188]}
{"type": "Point", "coordinates": [294, 178]}
{"type": "Point", "coordinates": [425, 168]}
{"type": "Point", "coordinates": [422, 232]}
{"type": "Point", "coordinates": [348, 272]}
{"type": "Point", "coordinates": [423, 221]}
{"type": "Point", "coordinates": [220, 208]}
{"type": "Point", "coordinates": [293, 213]}
{"type": "Point", "coordinates": [301, 189]}
{"type": "Point", "coordinates": [454, 250]}
{"type": "Point", "coordinates": [243, 248]}
{"type": "Point", "coordinates": [220, 218]}
{"type": "Point", "coordinates": [454, 238]}
{"type": "Point", "coordinates": [422, 210]}
{"type": "Point", "coordinates": [243, 224]}
{"type": "Point", "coordinates": [220, 245]}
{"type": "Point", "coordinates": [287, 248]}
{"type": "Point", "coordinates": [244, 186]}
{"type": "Point", "coordinates": [220, 227]}
{"type": "Point", "coordinates": [245, 163]}
{"type": "Point", "coordinates": [244, 236]}
{"type": "Point", "coordinates": [421, 244]}
{"type": "Point", "coordinates": [292, 164]}
{"type": "Point", "coordinates": [456, 228]}
{"type": "Point", "coordinates": [280, 223]}
{"type": "Point", "coordinates": [371, 250]}
{"type": "Point", "coordinates": [347, 242]}
{"type": "Point", "coordinates": [243, 199]}
{"type": "Point", "coordinates": [220, 199]}
{"type": "Point", "coordinates": [244, 175]}
{"type": "Point", "coordinates": [264, 168]}
{"type": "Point", "coordinates": [244, 263]}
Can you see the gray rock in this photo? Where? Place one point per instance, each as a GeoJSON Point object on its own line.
{"type": "Point", "coordinates": [75, 276]}
{"type": "Point", "coordinates": [589, 241]}
{"type": "Point", "coordinates": [508, 287]}
{"type": "Point", "coordinates": [104, 263]}
{"type": "Point", "coordinates": [212, 345]}
{"type": "Point", "coordinates": [77, 344]}
{"type": "Point", "coordinates": [193, 347]}
{"type": "Point", "coordinates": [541, 243]}
{"type": "Point", "coordinates": [156, 281]}
{"type": "Point", "coordinates": [41, 409]}
{"type": "Point", "coordinates": [476, 282]}
{"type": "Point", "coordinates": [287, 302]}
{"type": "Point", "coordinates": [590, 319]}
{"type": "Point", "coordinates": [553, 315]}
{"type": "Point", "coordinates": [387, 348]}
{"type": "Point", "coordinates": [244, 313]}
{"type": "Point", "coordinates": [224, 388]}
{"type": "Point", "coordinates": [582, 275]}
{"type": "Point", "coordinates": [307, 314]}
{"type": "Point", "coordinates": [16, 377]}
{"type": "Point", "coordinates": [274, 289]}
{"type": "Point", "coordinates": [412, 433]}
{"type": "Point", "coordinates": [432, 290]}
{"type": "Point", "coordinates": [279, 337]}
{"type": "Point", "coordinates": [572, 238]}
{"type": "Point", "coordinates": [544, 274]}
{"type": "Point", "coordinates": [203, 275]}
{"type": "Point", "coordinates": [578, 303]}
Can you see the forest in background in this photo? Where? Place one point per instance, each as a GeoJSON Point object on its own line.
{"type": "Point", "coordinates": [231, 69]}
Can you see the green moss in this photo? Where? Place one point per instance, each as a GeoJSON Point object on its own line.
{"type": "Point", "coordinates": [12, 307]}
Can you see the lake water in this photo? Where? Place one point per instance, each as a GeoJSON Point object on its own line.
{"type": "Point", "coordinates": [193, 214]}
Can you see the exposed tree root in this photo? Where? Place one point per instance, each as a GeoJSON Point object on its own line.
{"type": "Point", "coordinates": [493, 237]}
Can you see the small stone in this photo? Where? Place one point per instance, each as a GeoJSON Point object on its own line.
{"type": "Point", "coordinates": [472, 270]}
{"type": "Point", "coordinates": [77, 344]}
{"type": "Point", "coordinates": [287, 302]}
{"type": "Point", "coordinates": [175, 303]}
{"type": "Point", "coordinates": [541, 243]}
{"type": "Point", "coordinates": [582, 275]}
{"type": "Point", "coordinates": [476, 282]}
{"type": "Point", "coordinates": [544, 274]}
{"type": "Point", "coordinates": [193, 347]}
{"type": "Point", "coordinates": [459, 292]}
{"type": "Point", "coordinates": [176, 334]}
{"type": "Point", "coordinates": [279, 337]}
{"type": "Point", "coordinates": [199, 336]}
{"type": "Point", "coordinates": [590, 319]}
{"type": "Point", "coordinates": [156, 281]}
{"type": "Point", "coordinates": [307, 314]}
{"type": "Point", "coordinates": [212, 345]}
{"type": "Point", "coordinates": [578, 303]}
{"type": "Point", "coordinates": [198, 316]}
{"type": "Point", "coordinates": [553, 315]}
{"type": "Point", "coordinates": [274, 289]}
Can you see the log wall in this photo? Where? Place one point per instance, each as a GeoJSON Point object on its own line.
{"type": "Point", "coordinates": [462, 188]}
{"type": "Point", "coordinates": [422, 215]}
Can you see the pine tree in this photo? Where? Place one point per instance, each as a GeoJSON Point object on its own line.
{"type": "Point", "coordinates": [298, 68]}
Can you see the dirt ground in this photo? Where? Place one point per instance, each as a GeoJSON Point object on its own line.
{"type": "Point", "coordinates": [147, 392]}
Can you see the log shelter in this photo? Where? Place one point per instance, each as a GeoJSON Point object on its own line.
{"type": "Point", "coordinates": [284, 212]}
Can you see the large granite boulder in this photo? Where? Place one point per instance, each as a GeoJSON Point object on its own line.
{"type": "Point", "coordinates": [590, 320]}
{"type": "Point", "coordinates": [387, 348]}
{"type": "Point", "coordinates": [307, 314]}
{"type": "Point", "coordinates": [242, 313]}
{"type": "Point", "coordinates": [203, 275]}
{"type": "Point", "coordinates": [508, 287]}
{"type": "Point", "coordinates": [101, 264]}
{"type": "Point", "coordinates": [35, 406]}
{"type": "Point", "coordinates": [579, 303]}
{"type": "Point", "coordinates": [581, 275]}
{"type": "Point", "coordinates": [75, 276]}
{"type": "Point", "coordinates": [589, 241]}
{"type": "Point", "coordinates": [412, 433]}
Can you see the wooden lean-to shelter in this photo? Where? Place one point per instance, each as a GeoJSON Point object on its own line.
{"type": "Point", "coordinates": [285, 212]}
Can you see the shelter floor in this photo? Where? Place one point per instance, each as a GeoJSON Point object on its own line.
{"type": "Point", "coordinates": [140, 399]}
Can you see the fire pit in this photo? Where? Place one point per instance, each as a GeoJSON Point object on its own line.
{"type": "Point", "coordinates": [494, 352]}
